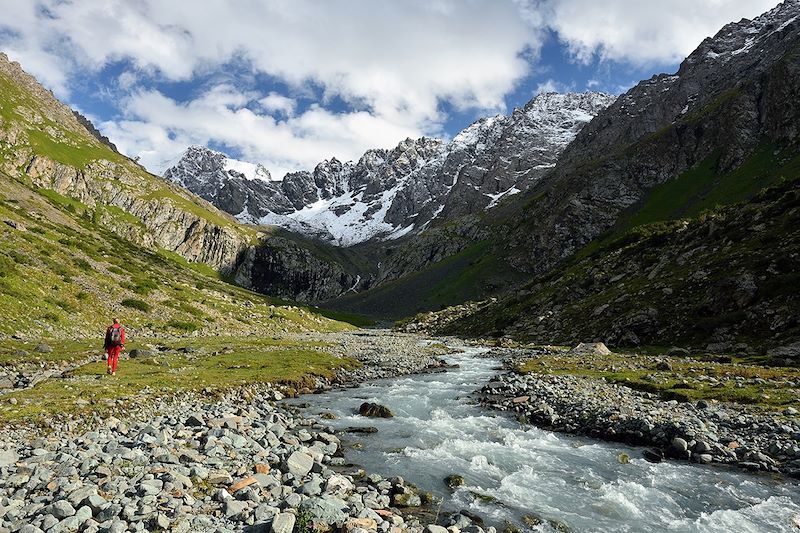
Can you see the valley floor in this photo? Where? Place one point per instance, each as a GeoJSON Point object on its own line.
{"type": "Point", "coordinates": [189, 437]}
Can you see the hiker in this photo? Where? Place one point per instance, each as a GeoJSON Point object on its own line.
{"type": "Point", "coordinates": [115, 343]}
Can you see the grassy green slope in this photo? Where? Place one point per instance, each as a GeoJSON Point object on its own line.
{"type": "Point", "coordinates": [726, 276]}
{"type": "Point", "coordinates": [469, 274]}
{"type": "Point", "coordinates": [65, 275]}
{"type": "Point", "coordinates": [34, 124]}
{"type": "Point", "coordinates": [703, 188]}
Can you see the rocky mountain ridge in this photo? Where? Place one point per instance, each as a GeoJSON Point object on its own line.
{"type": "Point", "coordinates": [625, 240]}
{"type": "Point", "coordinates": [734, 95]}
{"type": "Point", "coordinates": [391, 193]}
{"type": "Point", "coordinates": [43, 142]}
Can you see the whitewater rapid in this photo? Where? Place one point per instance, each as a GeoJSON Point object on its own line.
{"type": "Point", "coordinates": [512, 470]}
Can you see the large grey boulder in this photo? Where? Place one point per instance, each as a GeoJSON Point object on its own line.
{"type": "Point", "coordinates": [595, 348]}
{"type": "Point", "coordinates": [299, 464]}
{"type": "Point", "coordinates": [8, 457]}
{"type": "Point", "coordinates": [328, 510]}
{"type": "Point", "coordinates": [283, 523]}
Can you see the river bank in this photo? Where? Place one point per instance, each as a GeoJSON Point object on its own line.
{"type": "Point", "coordinates": [577, 393]}
{"type": "Point", "coordinates": [230, 461]}
{"type": "Point", "coordinates": [241, 459]}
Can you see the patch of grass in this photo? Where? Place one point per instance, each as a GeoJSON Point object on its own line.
{"type": "Point", "coordinates": [687, 381]}
{"type": "Point", "coordinates": [65, 202]}
{"type": "Point", "coordinates": [63, 351]}
{"type": "Point", "coordinates": [140, 378]}
{"type": "Point", "coordinates": [197, 267]}
{"type": "Point", "coordinates": [184, 326]}
{"type": "Point", "coordinates": [142, 286]}
{"type": "Point", "coordinates": [137, 304]}
{"type": "Point", "coordinates": [83, 264]}
{"type": "Point", "coordinates": [8, 267]}
{"type": "Point", "coordinates": [360, 321]}
{"type": "Point", "coordinates": [76, 153]}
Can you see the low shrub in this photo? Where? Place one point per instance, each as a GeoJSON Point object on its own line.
{"type": "Point", "coordinates": [137, 304]}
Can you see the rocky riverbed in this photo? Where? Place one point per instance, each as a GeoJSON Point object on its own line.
{"type": "Point", "coordinates": [700, 431]}
{"type": "Point", "coordinates": [238, 462]}
{"type": "Point", "coordinates": [244, 461]}
{"type": "Point", "coordinates": [383, 353]}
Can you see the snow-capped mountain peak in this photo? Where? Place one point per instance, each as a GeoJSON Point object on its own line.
{"type": "Point", "coordinates": [387, 194]}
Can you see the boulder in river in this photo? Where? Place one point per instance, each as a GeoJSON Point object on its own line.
{"type": "Point", "coordinates": [453, 481]}
{"type": "Point", "coordinates": [360, 429]}
{"type": "Point", "coordinates": [375, 410]}
{"type": "Point", "coordinates": [653, 455]}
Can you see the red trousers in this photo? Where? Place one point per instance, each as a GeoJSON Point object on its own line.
{"type": "Point", "coordinates": [113, 356]}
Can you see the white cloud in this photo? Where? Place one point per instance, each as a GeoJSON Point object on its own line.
{"type": "Point", "coordinates": [275, 102]}
{"type": "Point", "coordinates": [396, 61]}
{"type": "Point", "coordinates": [159, 129]}
{"type": "Point", "coordinates": [393, 62]}
{"type": "Point", "coordinates": [641, 32]}
{"type": "Point", "coordinates": [552, 86]}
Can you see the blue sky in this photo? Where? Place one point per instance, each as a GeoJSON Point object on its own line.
{"type": "Point", "coordinates": [291, 82]}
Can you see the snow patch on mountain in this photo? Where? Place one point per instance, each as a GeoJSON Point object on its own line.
{"type": "Point", "coordinates": [388, 194]}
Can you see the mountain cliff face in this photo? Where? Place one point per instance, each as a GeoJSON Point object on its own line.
{"type": "Point", "coordinates": [735, 96]}
{"type": "Point", "coordinates": [47, 146]}
{"type": "Point", "coordinates": [392, 193]}
{"type": "Point", "coordinates": [625, 240]}
{"type": "Point", "coordinates": [721, 282]}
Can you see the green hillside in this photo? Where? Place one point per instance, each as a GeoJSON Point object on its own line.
{"type": "Point", "coordinates": [65, 274]}
{"type": "Point", "coordinates": [719, 281]}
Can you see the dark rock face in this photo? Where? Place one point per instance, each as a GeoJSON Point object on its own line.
{"type": "Point", "coordinates": [280, 267]}
{"type": "Point", "coordinates": [390, 193]}
{"type": "Point", "coordinates": [738, 90]}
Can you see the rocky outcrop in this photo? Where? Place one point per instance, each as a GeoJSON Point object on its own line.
{"type": "Point", "coordinates": [164, 223]}
{"type": "Point", "coordinates": [282, 267]}
{"type": "Point", "coordinates": [47, 144]}
{"type": "Point", "coordinates": [391, 193]}
{"type": "Point", "coordinates": [86, 123]}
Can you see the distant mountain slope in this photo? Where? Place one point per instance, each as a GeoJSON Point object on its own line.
{"type": "Point", "coordinates": [723, 281]}
{"type": "Point", "coordinates": [82, 200]}
{"type": "Point", "coordinates": [626, 240]}
{"type": "Point", "coordinates": [391, 193]}
{"type": "Point", "coordinates": [64, 274]}
{"type": "Point", "coordinates": [736, 96]}
{"type": "Point", "coordinates": [44, 144]}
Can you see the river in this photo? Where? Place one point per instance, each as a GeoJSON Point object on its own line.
{"type": "Point", "coordinates": [511, 471]}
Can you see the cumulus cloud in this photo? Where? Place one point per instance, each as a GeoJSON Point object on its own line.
{"type": "Point", "coordinates": [641, 32]}
{"type": "Point", "coordinates": [158, 129]}
{"type": "Point", "coordinates": [380, 70]}
{"type": "Point", "coordinates": [275, 102]}
{"type": "Point", "coordinates": [553, 86]}
{"type": "Point", "coordinates": [393, 61]}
